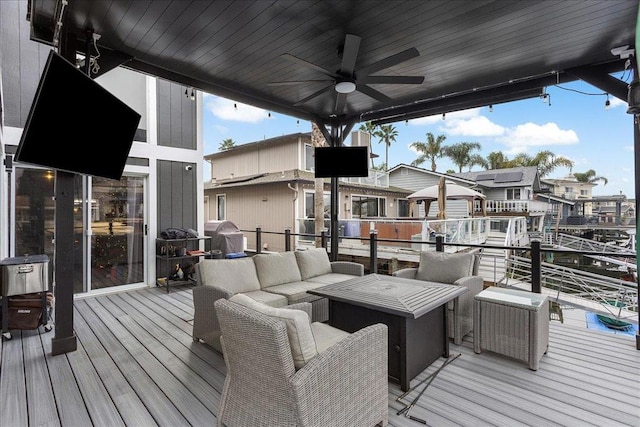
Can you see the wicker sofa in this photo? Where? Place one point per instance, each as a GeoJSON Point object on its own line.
{"type": "Point", "coordinates": [276, 279]}
{"type": "Point", "coordinates": [456, 269]}
{"type": "Point", "coordinates": [283, 370]}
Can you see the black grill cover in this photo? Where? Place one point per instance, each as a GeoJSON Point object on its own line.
{"type": "Point", "coordinates": [225, 236]}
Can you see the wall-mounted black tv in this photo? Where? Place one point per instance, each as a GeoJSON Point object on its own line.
{"type": "Point", "coordinates": [76, 125]}
{"type": "Point", "coordinates": [341, 162]}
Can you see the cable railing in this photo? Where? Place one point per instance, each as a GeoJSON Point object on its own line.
{"type": "Point", "coordinates": [523, 267]}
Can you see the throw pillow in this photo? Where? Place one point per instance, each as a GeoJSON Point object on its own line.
{"type": "Point", "coordinates": [313, 262]}
{"type": "Point", "coordinates": [301, 340]}
{"type": "Point", "coordinates": [276, 269]}
{"type": "Point", "coordinates": [444, 267]}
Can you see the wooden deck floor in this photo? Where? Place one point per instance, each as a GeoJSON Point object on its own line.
{"type": "Point", "coordinates": [137, 365]}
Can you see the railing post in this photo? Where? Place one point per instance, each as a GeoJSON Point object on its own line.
{"type": "Point", "coordinates": [258, 239]}
{"type": "Point", "coordinates": [440, 243]}
{"type": "Point", "coordinates": [373, 251]}
{"type": "Point", "coordinates": [287, 239]}
{"type": "Point", "coordinates": [535, 267]}
{"type": "Point", "coordinates": [323, 238]}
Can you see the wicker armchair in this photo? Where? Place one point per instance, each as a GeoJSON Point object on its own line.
{"type": "Point", "coordinates": [456, 269]}
{"type": "Point", "coordinates": [343, 385]}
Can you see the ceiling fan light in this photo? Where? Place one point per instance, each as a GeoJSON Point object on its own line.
{"type": "Point", "coordinates": [345, 87]}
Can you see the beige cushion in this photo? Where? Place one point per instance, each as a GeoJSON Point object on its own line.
{"type": "Point", "coordinates": [235, 275]}
{"type": "Point", "coordinates": [444, 267]}
{"type": "Point", "coordinates": [269, 298]}
{"type": "Point", "coordinates": [295, 291]}
{"type": "Point", "coordinates": [326, 335]}
{"type": "Point", "coordinates": [328, 279]}
{"type": "Point", "coordinates": [301, 340]}
{"type": "Point", "coordinates": [276, 269]}
{"type": "Point", "coordinates": [313, 262]}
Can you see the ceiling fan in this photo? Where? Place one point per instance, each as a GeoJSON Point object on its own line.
{"type": "Point", "coordinates": [347, 80]}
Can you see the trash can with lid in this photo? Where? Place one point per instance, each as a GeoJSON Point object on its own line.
{"type": "Point", "coordinates": [20, 276]}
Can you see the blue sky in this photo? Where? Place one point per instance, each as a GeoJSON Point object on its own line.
{"type": "Point", "coordinates": [575, 125]}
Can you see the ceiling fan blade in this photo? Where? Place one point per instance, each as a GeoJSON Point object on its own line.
{"type": "Point", "coordinates": [389, 61]}
{"type": "Point", "coordinates": [313, 95]}
{"type": "Point", "coordinates": [297, 82]}
{"type": "Point", "coordinates": [350, 54]}
{"type": "Point", "coordinates": [341, 101]}
{"type": "Point", "coordinates": [404, 80]}
{"type": "Point", "coordinates": [379, 96]}
{"type": "Point", "coordinates": [308, 64]}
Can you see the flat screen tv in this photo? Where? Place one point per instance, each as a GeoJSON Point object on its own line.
{"type": "Point", "coordinates": [341, 162]}
{"type": "Point", "coordinates": [76, 125]}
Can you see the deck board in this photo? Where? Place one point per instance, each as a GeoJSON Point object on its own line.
{"type": "Point", "coordinates": [137, 365]}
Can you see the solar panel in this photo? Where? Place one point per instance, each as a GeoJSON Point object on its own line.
{"type": "Point", "coordinates": [508, 177]}
{"type": "Point", "coordinates": [485, 176]}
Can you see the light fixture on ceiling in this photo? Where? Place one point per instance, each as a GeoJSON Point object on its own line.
{"type": "Point", "coordinates": [345, 86]}
{"type": "Point", "coordinates": [444, 116]}
{"type": "Point", "coordinates": [193, 94]}
{"type": "Point", "coordinates": [607, 103]}
{"type": "Point", "coordinates": [186, 92]}
{"type": "Point", "coordinates": [269, 115]}
{"type": "Point", "coordinates": [235, 106]}
{"type": "Point", "coordinates": [491, 108]}
{"type": "Point", "coordinates": [297, 123]}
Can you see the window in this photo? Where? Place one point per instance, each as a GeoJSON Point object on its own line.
{"type": "Point", "coordinates": [403, 208]}
{"type": "Point", "coordinates": [513, 194]}
{"type": "Point", "coordinates": [221, 203]}
{"type": "Point", "coordinates": [584, 193]}
{"type": "Point", "coordinates": [367, 206]}
{"type": "Point", "coordinates": [308, 157]}
{"type": "Point", "coordinates": [309, 198]}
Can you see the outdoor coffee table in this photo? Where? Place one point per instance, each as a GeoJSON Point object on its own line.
{"type": "Point", "coordinates": [414, 311]}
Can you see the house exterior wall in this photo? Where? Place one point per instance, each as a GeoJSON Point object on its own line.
{"type": "Point", "coordinates": [262, 158]}
{"type": "Point", "coordinates": [269, 206]}
{"type": "Point", "coordinates": [415, 180]}
{"type": "Point", "coordinates": [172, 133]}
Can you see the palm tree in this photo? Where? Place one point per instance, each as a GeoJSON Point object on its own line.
{"type": "Point", "coordinates": [497, 160]}
{"type": "Point", "coordinates": [388, 134]}
{"type": "Point", "coordinates": [370, 128]}
{"type": "Point", "coordinates": [545, 160]}
{"type": "Point", "coordinates": [432, 150]}
{"type": "Point", "coordinates": [477, 160]}
{"type": "Point", "coordinates": [226, 144]}
{"type": "Point", "coordinates": [460, 154]}
{"type": "Point", "coordinates": [317, 140]}
{"type": "Point", "coordinates": [590, 177]}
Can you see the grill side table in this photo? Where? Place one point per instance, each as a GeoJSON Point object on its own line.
{"type": "Point", "coordinates": [513, 323]}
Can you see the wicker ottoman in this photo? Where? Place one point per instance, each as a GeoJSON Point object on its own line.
{"type": "Point", "coordinates": [513, 323]}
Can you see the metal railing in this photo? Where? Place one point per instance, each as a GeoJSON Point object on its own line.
{"type": "Point", "coordinates": [615, 297]}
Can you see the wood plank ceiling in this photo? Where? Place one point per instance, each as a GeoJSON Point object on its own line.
{"type": "Point", "coordinates": [471, 52]}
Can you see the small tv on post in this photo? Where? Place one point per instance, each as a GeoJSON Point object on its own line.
{"type": "Point", "coordinates": [76, 125]}
{"type": "Point", "coordinates": [341, 162]}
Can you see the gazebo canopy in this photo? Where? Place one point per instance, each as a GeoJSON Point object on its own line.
{"type": "Point", "coordinates": [454, 192]}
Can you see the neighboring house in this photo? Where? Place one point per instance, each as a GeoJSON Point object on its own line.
{"type": "Point", "coordinates": [270, 184]}
{"type": "Point", "coordinates": [570, 188]}
{"type": "Point", "coordinates": [116, 222]}
{"type": "Point", "coordinates": [415, 178]}
{"type": "Point", "coordinates": [610, 209]}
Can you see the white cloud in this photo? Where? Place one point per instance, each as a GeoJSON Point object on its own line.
{"type": "Point", "coordinates": [474, 126]}
{"type": "Point", "coordinates": [457, 115]}
{"type": "Point", "coordinates": [528, 135]}
{"type": "Point", "coordinates": [616, 102]}
{"type": "Point", "coordinates": [226, 109]}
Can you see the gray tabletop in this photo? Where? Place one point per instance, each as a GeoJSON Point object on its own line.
{"type": "Point", "coordinates": [395, 295]}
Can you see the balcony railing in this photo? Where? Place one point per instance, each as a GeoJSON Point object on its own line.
{"type": "Point", "coordinates": [524, 265]}
{"type": "Point", "coordinates": [516, 206]}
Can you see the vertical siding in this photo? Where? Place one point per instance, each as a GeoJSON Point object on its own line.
{"type": "Point", "coordinates": [270, 206]}
{"type": "Point", "coordinates": [416, 180]}
{"type": "Point", "coordinates": [176, 196]}
{"type": "Point", "coordinates": [22, 62]}
{"type": "Point", "coordinates": [176, 116]}
{"type": "Point", "coordinates": [275, 157]}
